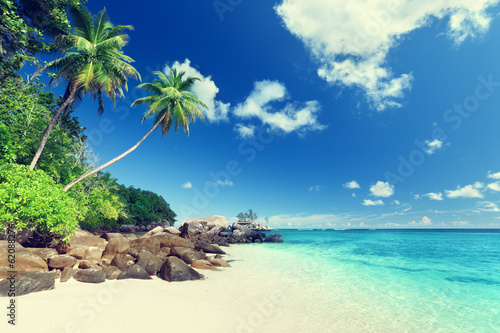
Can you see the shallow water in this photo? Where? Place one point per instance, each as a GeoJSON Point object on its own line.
{"type": "Point", "coordinates": [385, 280]}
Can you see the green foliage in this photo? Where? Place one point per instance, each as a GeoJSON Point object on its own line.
{"type": "Point", "coordinates": [100, 209]}
{"type": "Point", "coordinates": [32, 200]}
{"type": "Point", "coordinates": [144, 207]}
{"type": "Point", "coordinates": [23, 26]}
{"type": "Point", "coordinates": [26, 111]}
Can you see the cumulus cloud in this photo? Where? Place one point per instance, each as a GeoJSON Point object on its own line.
{"type": "Point", "coordinates": [424, 222]}
{"type": "Point", "coordinates": [352, 39]}
{"type": "Point", "coordinates": [468, 191]}
{"type": "Point", "coordinates": [315, 188]}
{"type": "Point", "coordinates": [494, 186]}
{"type": "Point", "coordinates": [495, 175]}
{"type": "Point", "coordinates": [206, 90]}
{"type": "Point", "coordinates": [488, 206]}
{"type": "Point", "coordinates": [351, 185]}
{"type": "Point", "coordinates": [245, 131]}
{"type": "Point", "coordinates": [382, 189]}
{"type": "Point", "coordinates": [433, 146]}
{"type": "Point", "coordinates": [434, 196]}
{"type": "Point", "coordinates": [187, 185]}
{"type": "Point", "coordinates": [368, 202]}
{"type": "Point", "coordinates": [301, 117]}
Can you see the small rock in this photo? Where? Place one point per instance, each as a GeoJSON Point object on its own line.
{"type": "Point", "coordinates": [203, 264]}
{"type": "Point", "coordinates": [112, 272]}
{"type": "Point", "coordinates": [172, 231]}
{"type": "Point", "coordinates": [174, 269]}
{"type": "Point", "coordinates": [274, 238]}
{"type": "Point", "coordinates": [61, 261]}
{"type": "Point", "coordinates": [208, 248]}
{"type": "Point", "coordinates": [90, 276]}
{"type": "Point", "coordinates": [67, 274]}
{"type": "Point", "coordinates": [219, 263]}
{"type": "Point", "coordinates": [134, 272]}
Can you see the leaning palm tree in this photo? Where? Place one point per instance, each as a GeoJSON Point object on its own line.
{"type": "Point", "coordinates": [171, 102]}
{"type": "Point", "coordinates": [93, 63]}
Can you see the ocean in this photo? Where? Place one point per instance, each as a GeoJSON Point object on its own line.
{"type": "Point", "coordinates": [384, 280]}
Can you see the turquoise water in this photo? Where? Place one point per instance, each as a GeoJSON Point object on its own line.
{"type": "Point", "coordinates": [394, 280]}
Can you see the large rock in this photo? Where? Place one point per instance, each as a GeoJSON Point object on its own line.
{"type": "Point", "coordinates": [149, 262]}
{"type": "Point", "coordinates": [61, 261]}
{"type": "Point", "coordinates": [77, 251]}
{"type": "Point", "coordinates": [122, 261]}
{"type": "Point", "coordinates": [188, 255]}
{"type": "Point", "coordinates": [191, 229]}
{"type": "Point", "coordinates": [242, 234]}
{"type": "Point", "coordinates": [82, 237]}
{"type": "Point", "coordinates": [90, 276]}
{"type": "Point", "coordinates": [174, 269]}
{"type": "Point", "coordinates": [172, 230]}
{"type": "Point", "coordinates": [117, 243]}
{"type": "Point", "coordinates": [24, 260]}
{"type": "Point", "coordinates": [134, 272]}
{"type": "Point", "coordinates": [27, 282]}
{"type": "Point", "coordinates": [168, 240]}
{"type": "Point", "coordinates": [152, 232]}
{"type": "Point", "coordinates": [211, 221]}
{"type": "Point", "coordinates": [44, 253]}
{"type": "Point", "coordinates": [274, 238]}
{"type": "Point", "coordinates": [208, 248]}
{"type": "Point", "coordinates": [150, 244]}
{"type": "Point", "coordinates": [93, 254]}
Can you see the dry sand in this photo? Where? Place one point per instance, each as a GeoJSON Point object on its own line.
{"type": "Point", "coordinates": [247, 297]}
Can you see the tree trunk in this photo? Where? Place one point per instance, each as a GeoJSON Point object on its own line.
{"type": "Point", "coordinates": [46, 133]}
{"type": "Point", "coordinates": [105, 165]}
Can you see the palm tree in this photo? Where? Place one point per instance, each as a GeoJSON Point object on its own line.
{"type": "Point", "coordinates": [171, 102]}
{"type": "Point", "coordinates": [93, 63]}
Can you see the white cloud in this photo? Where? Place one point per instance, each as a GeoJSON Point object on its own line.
{"type": "Point", "coordinates": [494, 186]}
{"type": "Point", "coordinates": [382, 189]}
{"type": "Point", "coordinates": [396, 202]}
{"type": "Point", "coordinates": [495, 175]}
{"type": "Point", "coordinates": [488, 206]}
{"type": "Point", "coordinates": [315, 220]}
{"type": "Point", "coordinates": [245, 131]}
{"type": "Point", "coordinates": [351, 185]}
{"type": "Point", "coordinates": [352, 39]}
{"type": "Point", "coordinates": [468, 191]}
{"type": "Point", "coordinates": [187, 185]}
{"type": "Point", "coordinates": [315, 188]}
{"type": "Point", "coordinates": [368, 202]}
{"type": "Point", "coordinates": [460, 223]}
{"type": "Point", "coordinates": [292, 117]}
{"type": "Point", "coordinates": [223, 183]}
{"type": "Point", "coordinates": [205, 89]}
{"type": "Point", "coordinates": [425, 222]}
{"type": "Point", "coordinates": [433, 146]}
{"type": "Point", "coordinates": [434, 196]}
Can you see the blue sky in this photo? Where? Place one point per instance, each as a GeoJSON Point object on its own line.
{"type": "Point", "coordinates": [323, 113]}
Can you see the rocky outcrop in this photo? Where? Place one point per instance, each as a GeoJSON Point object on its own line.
{"type": "Point", "coordinates": [242, 234]}
{"type": "Point", "coordinates": [168, 240]}
{"type": "Point", "coordinates": [26, 283]}
{"type": "Point", "coordinates": [210, 221]}
{"type": "Point", "coordinates": [117, 243]}
{"type": "Point", "coordinates": [44, 253]}
{"type": "Point", "coordinates": [150, 244]}
{"type": "Point", "coordinates": [90, 276]}
{"type": "Point", "coordinates": [82, 237]}
{"type": "Point", "coordinates": [134, 272]}
{"type": "Point", "coordinates": [61, 261]}
{"type": "Point", "coordinates": [174, 269]}
{"type": "Point", "coordinates": [274, 238]}
{"type": "Point", "coordinates": [152, 232]}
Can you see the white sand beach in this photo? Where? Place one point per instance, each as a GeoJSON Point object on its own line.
{"type": "Point", "coordinates": [246, 297]}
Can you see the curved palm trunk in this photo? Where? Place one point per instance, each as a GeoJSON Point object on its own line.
{"type": "Point", "coordinates": [46, 133]}
{"type": "Point", "coordinates": [105, 165]}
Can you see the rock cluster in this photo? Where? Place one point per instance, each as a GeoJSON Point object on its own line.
{"type": "Point", "coordinates": [164, 251]}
